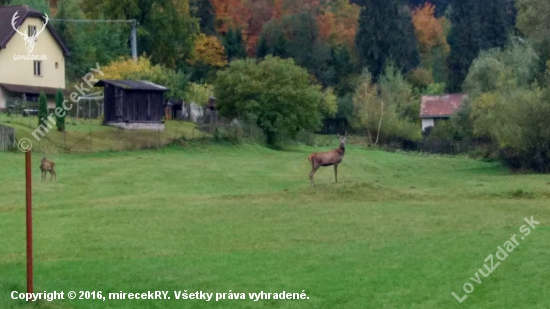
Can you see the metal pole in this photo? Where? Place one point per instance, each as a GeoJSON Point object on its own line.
{"type": "Point", "coordinates": [29, 222]}
{"type": "Point", "coordinates": [134, 41]}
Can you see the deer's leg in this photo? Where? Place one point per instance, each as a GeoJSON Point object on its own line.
{"type": "Point", "coordinates": [43, 175]}
{"type": "Point", "coordinates": [313, 170]}
{"type": "Point", "coordinates": [336, 172]}
{"type": "Point", "coordinates": [51, 176]}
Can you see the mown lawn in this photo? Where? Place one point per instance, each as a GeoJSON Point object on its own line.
{"type": "Point", "coordinates": [397, 231]}
{"type": "Point", "coordinates": [89, 135]}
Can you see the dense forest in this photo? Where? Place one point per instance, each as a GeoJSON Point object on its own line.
{"type": "Point", "coordinates": [368, 59]}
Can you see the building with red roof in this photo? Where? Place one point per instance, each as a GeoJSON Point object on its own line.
{"type": "Point", "coordinates": [435, 107]}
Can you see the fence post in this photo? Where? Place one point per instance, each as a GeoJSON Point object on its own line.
{"type": "Point", "coordinates": [28, 178]}
{"type": "Point", "coordinates": [91, 144]}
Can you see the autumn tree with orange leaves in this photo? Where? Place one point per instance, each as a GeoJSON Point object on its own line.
{"type": "Point", "coordinates": [209, 50]}
{"type": "Point", "coordinates": [431, 34]}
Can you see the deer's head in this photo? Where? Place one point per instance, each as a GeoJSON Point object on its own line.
{"type": "Point", "coordinates": [29, 38]}
{"type": "Point", "coordinates": [342, 139]}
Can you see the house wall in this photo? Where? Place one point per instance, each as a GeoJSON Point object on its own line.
{"type": "Point", "coordinates": [21, 72]}
{"type": "Point", "coordinates": [4, 95]}
{"type": "Point", "coordinates": [427, 122]}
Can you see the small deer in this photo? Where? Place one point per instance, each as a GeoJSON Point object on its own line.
{"type": "Point", "coordinates": [328, 158]}
{"type": "Point", "coordinates": [47, 166]}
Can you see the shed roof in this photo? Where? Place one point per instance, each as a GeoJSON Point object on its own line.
{"type": "Point", "coordinates": [440, 106]}
{"type": "Point", "coordinates": [7, 31]}
{"type": "Point", "coordinates": [132, 84]}
{"type": "Point", "coordinates": [32, 89]}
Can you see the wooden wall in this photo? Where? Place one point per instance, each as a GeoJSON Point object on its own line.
{"type": "Point", "coordinates": [133, 105]}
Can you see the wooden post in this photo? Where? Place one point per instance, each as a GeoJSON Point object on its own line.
{"type": "Point", "coordinates": [28, 178]}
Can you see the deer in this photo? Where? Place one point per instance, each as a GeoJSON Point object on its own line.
{"type": "Point", "coordinates": [47, 166]}
{"type": "Point", "coordinates": [328, 158]}
{"type": "Point", "coordinates": [29, 38]}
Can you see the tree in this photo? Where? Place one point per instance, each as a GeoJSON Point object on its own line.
{"type": "Point", "coordinates": [345, 66]}
{"type": "Point", "coordinates": [234, 44]}
{"type": "Point", "coordinates": [431, 33]}
{"type": "Point", "coordinates": [205, 12]}
{"type": "Point", "coordinates": [476, 26]}
{"type": "Point", "coordinates": [39, 5]}
{"type": "Point", "coordinates": [384, 111]}
{"type": "Point", "coordinates": [167, 30]}
{"type": "Point", "coordinates": [231, 14]}
{"type": "Point", "coordinates": [126, 68]}
{"type": "Point", "coordinates": [517, 63]}
{"type": "Point", "coordinates": [532, 20]}
{"type": "Point", "coordinates": [440, 5]}
{"type": "Point", "coordinates": [209, 50]}
{"type": "Point", "coordinates": [59, 117]}
{"type": "Point", "coordinates": [386, 32]}
{"type": "Point", "coordinates": [342, 19]}
{"type": "Point", "coordinates": [275, 94]}
{"type": "Point", "coordinates": [198, 93]}
{"type": "Point", "coordinates": [262, 49]}
{"type": "Point", "coordinates": [89, 43]}
{"type": "Point", "coordinates": [508, 109]}
{"type": "Point", "coordinates": [42, 108]}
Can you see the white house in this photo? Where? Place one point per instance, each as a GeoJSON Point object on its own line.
{"type": "Point", "coordinates": [436, 107]}
{"type": "Point", "coordinates": [32, 56]}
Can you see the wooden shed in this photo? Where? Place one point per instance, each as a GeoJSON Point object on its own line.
{"type": "Point", "coordinates": [131, 104]}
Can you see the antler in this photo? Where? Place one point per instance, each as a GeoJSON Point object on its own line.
{"type": "Point", "coordinates": [13, 20]}
{"type": "Point", "coordinates": [44, 23]}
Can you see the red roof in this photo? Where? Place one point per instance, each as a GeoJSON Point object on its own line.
{"type": "Point", "coordinates": [434, 106]}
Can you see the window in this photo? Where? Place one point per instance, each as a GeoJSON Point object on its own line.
{"type": "Point", "coordinates": [31, 97]}
{"type": "Point", "coordinates": [38, 68]}
{"type": "Point", "coordinates": [31, 30]}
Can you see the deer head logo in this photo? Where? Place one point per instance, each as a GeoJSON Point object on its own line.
{"type": "Point", "coordinates": [29, 38]}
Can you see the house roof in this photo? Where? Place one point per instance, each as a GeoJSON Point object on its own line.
{"type": "Point", "coordinates": [132, 84]}
{"type": "Point", "coordinates": [7, 31]}
{"type": "Point", "coordinates": [31, 89]}
{"type": "Point", "coordinates": [440, 106]}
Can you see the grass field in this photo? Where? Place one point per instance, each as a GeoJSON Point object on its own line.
{"type": "Point", "coordinates": [90, 135]}
{"type": "Point", "coordinates": [397, 231]}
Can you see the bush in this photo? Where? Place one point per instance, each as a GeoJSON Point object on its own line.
{"type": "Point", "coordinates": [275, 94]}
{"type": "Point", "coordinates": [42, 108]}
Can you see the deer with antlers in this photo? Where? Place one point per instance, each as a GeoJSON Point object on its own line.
{"type": "Point", "coordinates": [30, 38]}
{"type": "Point", "coordinates": [47, 166]}
{"type": "Point", "coordinates": [328, 158]}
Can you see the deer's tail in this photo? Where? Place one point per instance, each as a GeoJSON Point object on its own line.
{"type": "Point", "coordinates": [310, 157]}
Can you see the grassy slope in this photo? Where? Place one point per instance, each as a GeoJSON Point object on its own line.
{"type": "Point", "coordinates": [103, 137]}
{"type": "Point", "coordinates": [398, 231]}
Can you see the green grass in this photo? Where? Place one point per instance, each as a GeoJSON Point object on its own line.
{"type": "Point", "coordinates": [90, 135]}
{"type": "Point", "coordinates": [397, 231]}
